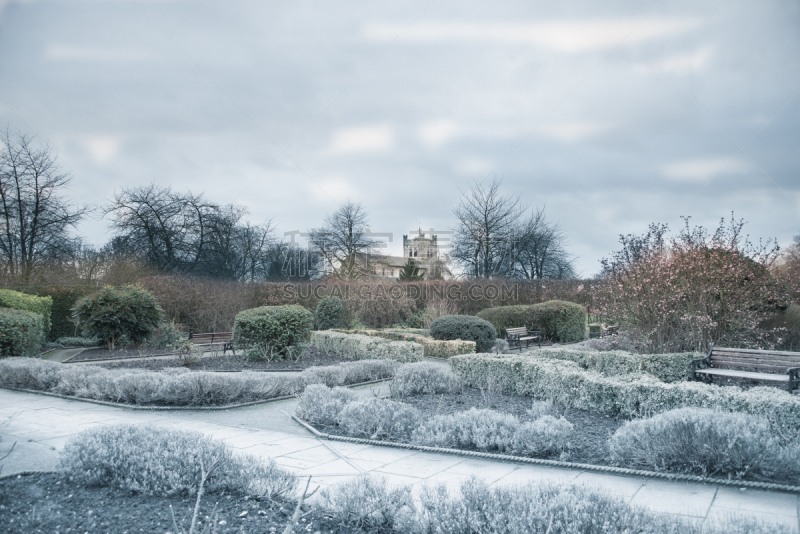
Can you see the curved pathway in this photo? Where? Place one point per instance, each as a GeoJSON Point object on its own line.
{"type": "Point", "coordinates": [41, 425]}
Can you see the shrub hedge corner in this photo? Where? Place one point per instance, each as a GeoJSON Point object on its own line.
{"type": "Point", "coordinates": [22, 301]}
{"type": "Point", "coordinates": [467, 328]}
{"type": "Point", "coordinates": [22, 332]}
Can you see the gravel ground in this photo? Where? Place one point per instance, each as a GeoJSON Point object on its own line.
{"type": "Point", "coordinates": [313, 358]}
{"type": "Point", "coordinates": [43, 503]}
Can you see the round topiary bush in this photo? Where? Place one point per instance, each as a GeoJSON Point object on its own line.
{"type": "Point", "coordinates": [114, 312]}
{"type": "Point", "coordinates": [559, 320]}
{"type": "Point", "coordinates": [21, 332]}
{"type": "Point", "coordinates": [466, 327]}
{"type": "Point", "coordinates": [269, 331]}
{"type": "Point", "coordinates": [329, 313]}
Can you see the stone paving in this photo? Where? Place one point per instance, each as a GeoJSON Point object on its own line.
{"type": "Point", "coordinates": [41, 425]}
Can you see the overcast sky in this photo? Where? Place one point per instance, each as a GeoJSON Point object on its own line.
{"type": "Point", "coordinates": [612, 114]}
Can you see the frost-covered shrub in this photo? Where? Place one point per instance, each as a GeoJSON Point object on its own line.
{"type": "Point", "coordinates": [540, 409]}
{"type": "Point", "coordinates": [322, 405]}
{"type": "Point", "coordinates": [423, 378]}
{"type": "Point", "coordinates": [129, 312]}
{"type": "Point", "coordinates": [485, 430]}
{"type": "Point", "coordinates": [700, 441]}
{"type": "Point", "coordinates": [379, 419]}
{"type": "Point", "coordinates": [544, 507]}
{"type": "Point", "coordinates": [329, 313]}
{"type": "Point", "coordinates": [566, 384]}
{"type": "Point", "coordinates": [368, 503]}
{"type": "Point", "coordinates": [163, 462]}
{"type": "Point", "coordinates": [467, 328]}
{"type": "Point", "coordinates": [488, 430]}
{"type": "Point", "coordinates": [22, 333]}
{"type": "Point", "coordinates": [167, 336]}
{"type": "Point", "coordinates": [269, 331]}
{"type": "Point", "coordinates": [545, 435]}
{"type": "Point", "coordinates": [672, 367]}
{"type": "Point", "coordinates": [349, 372]}
{"type": "Point", "coordinates": [176, 387]}
{"type": "Point", "coordinates": [432, 348]}
{"type": "Point", "coordinates": [359, 347]}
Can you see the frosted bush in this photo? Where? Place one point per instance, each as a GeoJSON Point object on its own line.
{"type": "Point", "coordinates": [424, 378]}
{"type": "Point", "coordinates": [540, 409]}
{"type": "Point", "coordinates": [322, 405]}
{"type": "Point", "coordinates": [546, 435]}
{"type": "Point", "coordinates": [165, 462]}
{"type": "Point", "coordinates": [379, 419]}
{"type": "Point", "coordinates": [368, 503]}
{"type": "Point", "coordinates": [701, 441]}
{"type": "Point", "coordinates": [349, 372]}
{"type": "Point", "coordinates": [501, 347]}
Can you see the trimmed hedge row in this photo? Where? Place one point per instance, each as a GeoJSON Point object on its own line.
{"type": "Point", "coordinates": [467, 328]}
{"type": "Point", "coordinates": [360, 347]}
{"type": "Point", "coordinates": [272, 328]}
{"type": "Point", "coordinates": [557, 320]}
{"type": "Point", "coordinates": [566, 383]}
{"type": "Point", "coordinates": [64, 299]}
{"type": "Point", "coordinates": [22, 301]}
{"type": "Point", "coordinates": [666, 367]}
{"type": "Point", "coordinates": [21, 332]}
{"type": "Point", "coordinates": [432, 348]}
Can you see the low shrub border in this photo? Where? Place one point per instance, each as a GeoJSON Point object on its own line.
{"type": "Point", "coordinates": [665, 367]}
{"type": "Point", "coordinates": [554, 463]}
{"type": "Point", "coordinates": [54, 380]}
{"type": "Point", "coordinates": [432, 348]}
{"type": "Point", "coordinates": [566, 383]}
{"type": "Point", "coordinates": [360, 347]}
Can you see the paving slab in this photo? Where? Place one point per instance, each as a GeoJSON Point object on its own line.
{"type": "Point", "coordinates": [672, 497]}
{"type": "Point", "coordinates": [624, 487]}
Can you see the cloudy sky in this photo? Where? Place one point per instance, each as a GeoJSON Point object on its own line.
{"type": "Point", "coordinates": [612, 114]}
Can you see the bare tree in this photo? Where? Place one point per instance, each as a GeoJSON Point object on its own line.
{"type": "Point", "coordinates": [34, 218]}
{"type": "Point", "coordinates": [169, 230]}
{"type": "Point", "coordinates": [344, 243]}
{"type": "Point", "coordinates": [487, 222]}
{"type": "Point", "coordinates": [539, 250]}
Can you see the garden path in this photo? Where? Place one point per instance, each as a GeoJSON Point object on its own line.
{"type": "Point", "coordinates": [41, 425]}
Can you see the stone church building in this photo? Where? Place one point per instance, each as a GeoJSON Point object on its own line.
{"type": "Point", "coordinates": [423, 250]}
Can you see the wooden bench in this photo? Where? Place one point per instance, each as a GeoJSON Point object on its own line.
{"type": "Point", "coordinates": [214, 338]}
{"type": "Point", "coordinates": [611, 331]}
{"type": "Point", "coordinates": [770, 365]}
{"type": "Point", "coordinates": [515, 336]}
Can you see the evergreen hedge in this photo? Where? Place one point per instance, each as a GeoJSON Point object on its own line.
{"type": "Point", "coordinates": [22, 301]}
{"type": "Point", "coordinates": [64, 299]}
{"type": "Point", "coordinates": [432, 348]}
{"type": "Point", "coordinates": [466, 328]}
{"type": "Point", "coordinates": [358, 347]}
{"type": "Point", "coordinates": [329, 313]}
{"type": "Point", "coordinates": [270, 330]}
{"type": "Point", "coordinates": [672, 367]}
{"type": "Point", "coordinates": [557, 320]}
{"type": "Point", "coordinates": [21, 332]}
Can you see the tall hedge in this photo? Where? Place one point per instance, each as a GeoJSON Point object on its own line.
{"type": "Point", "coordinates": [557, 320]}
{"type": "Point", "coordinates": [269, 330]}
{"type": "Point", "coordinates": [503, 317]}
{"type": "Point", "coordinates": [21, 332]}
{"type": "Point", "coordinates": [22, 301]}
{"type": "Point", "coordinates": [467, 328]}
{"type": "Point", "coordinates": [329, 313]}
{"type": "Point", "coordinates": [64, 299]}
{"type": "Point", "coordinates": [562, 321]}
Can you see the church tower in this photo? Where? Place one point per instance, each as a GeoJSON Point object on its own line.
{"type": "Point", "coordinates": [420, 248]}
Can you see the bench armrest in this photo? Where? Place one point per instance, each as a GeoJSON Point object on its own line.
{"type": "Point", "coordinates": [794, 373]}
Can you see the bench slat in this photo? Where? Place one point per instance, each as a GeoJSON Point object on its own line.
{"type": "Point", "coordinates": [777, 365]}
{"type": "Point", "coordinates": [744, 374]}
{"type": "Point", "coordinates": [748, 359]}
{"type": "Point", "coordinates": [766, 368]}
{"type": "Point", "coordinates": [757, 351]}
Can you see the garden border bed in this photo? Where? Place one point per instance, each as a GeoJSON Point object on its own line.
{"type": "Point", "coordinates": [555, 463]}
{"type": "Point", "coordinates": [149, 407]}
